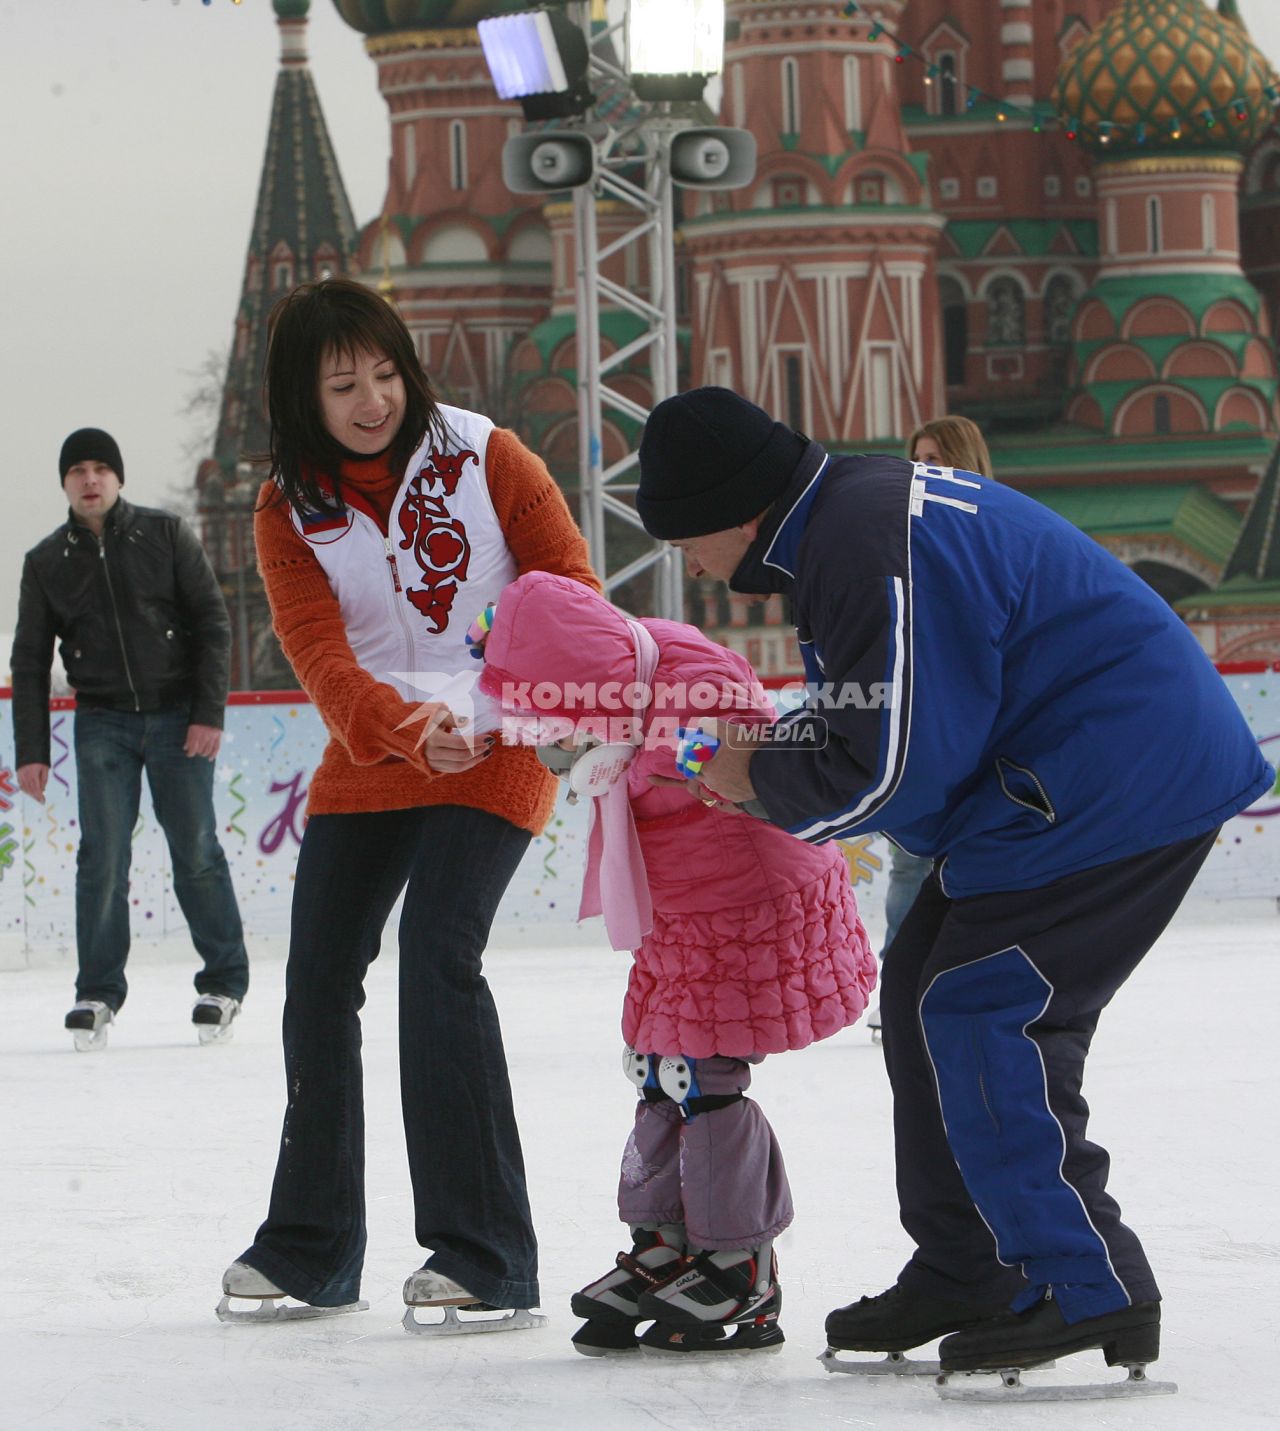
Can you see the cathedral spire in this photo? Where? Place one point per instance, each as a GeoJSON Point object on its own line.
{"type": "Point", "coordinates": [303, 228]}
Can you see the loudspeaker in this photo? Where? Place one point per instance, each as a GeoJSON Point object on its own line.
{"type": "Point", "coordinates": [544, 163]}
{"type": "Point", "coordinates": [713, 158]}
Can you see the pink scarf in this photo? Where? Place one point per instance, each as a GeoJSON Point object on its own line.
{"type": "Point", "coordinates": [616, 883]}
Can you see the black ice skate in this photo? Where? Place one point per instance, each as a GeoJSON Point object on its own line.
{"type": "Point", "coordinates": [893, 1323]}
{"type": "Point", "coordinates": [212, 1017]}
{"type": "Point", "coordinates": [723, 1302]}
{"type": "Point", "coordinates": [88, 1022]}
{"type": "Point", "coordinates": [1010, 1344]}
{"type": "Point", "coordinates": [610, 1305]}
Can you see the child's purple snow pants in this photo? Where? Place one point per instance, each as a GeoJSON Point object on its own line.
{"type": "Point", "coordinates": [719, 1173]}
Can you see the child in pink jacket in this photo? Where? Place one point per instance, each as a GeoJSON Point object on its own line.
{"type": "Point", "coordinates": [746, 942]}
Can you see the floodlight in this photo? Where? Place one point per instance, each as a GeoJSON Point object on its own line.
{"type": "Point", "coordinates": [674, 46]}
{"type": "Point", "coordinates": [540, 58]}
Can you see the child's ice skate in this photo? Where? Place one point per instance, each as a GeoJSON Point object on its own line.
{"type": "Point", "coordinates": [240, 1282]}
{"type": "Point", "coordinates": [88, 1022]}
{"type": "Point", "coordinates": [723, 1302]}
{"type": "Point", "coordinates": [610, 1305]}
{"type": "Point", "coordinates": [425, 1288]}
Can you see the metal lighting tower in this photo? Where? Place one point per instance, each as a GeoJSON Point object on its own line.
{"type": "Point", "coordinates": [630, 151]}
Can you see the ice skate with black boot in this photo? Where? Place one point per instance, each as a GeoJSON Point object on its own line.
{"type": "Point", "coordinates": [213, 1015]}
{"type": "Point", "coordinates": [88, 1022]}
{"type": "Point", "coordinates": [1011, 1344]}
{"type": "Point", "coordinates": [895, 1322]}
{"type": "Point", "coordinates": [722, 1302]}
{"type": "Point", "coordinates": [242, 1283]}
{"type": "Point", "coordinates": [610, 1305]}
{"type": "Point", "coordinates": [428, 1289]}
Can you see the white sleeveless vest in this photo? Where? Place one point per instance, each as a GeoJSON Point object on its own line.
{"type": "Point", "coordinates": [408, 597]}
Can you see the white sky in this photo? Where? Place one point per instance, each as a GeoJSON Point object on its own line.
{"type": "Point", "coordinates": [131, 142]}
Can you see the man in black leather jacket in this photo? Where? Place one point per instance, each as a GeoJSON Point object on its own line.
{"type": "Point", "coordinates": [146, 642]}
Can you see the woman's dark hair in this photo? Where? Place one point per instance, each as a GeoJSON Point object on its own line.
{"type": "Point", "coordinates": [340, 316]}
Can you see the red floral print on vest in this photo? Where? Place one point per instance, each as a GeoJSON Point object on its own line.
{"type": "Point", "coordinates": [439, 541]}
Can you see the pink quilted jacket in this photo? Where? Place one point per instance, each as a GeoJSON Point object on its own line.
{"type": "Point", "coordinates": [756, 944]}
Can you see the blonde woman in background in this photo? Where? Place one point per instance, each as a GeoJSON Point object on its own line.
{"type": "Point", "coordinates": [951, 441]}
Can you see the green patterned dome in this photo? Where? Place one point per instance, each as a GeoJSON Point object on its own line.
{"type": "Point", "coordinates": [380, 17]}
{"type": "Point", "coordinates": [1145, 78]}
{"type": "Point", "coordinates": [292, 9]}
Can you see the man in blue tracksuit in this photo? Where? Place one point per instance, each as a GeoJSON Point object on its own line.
{"type": "Point", "coordinates": [998, 693]}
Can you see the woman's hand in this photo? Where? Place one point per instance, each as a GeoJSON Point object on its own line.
{"type": "Point", "coordinates": [450, 751]}
{"type": "Point", "coordinates": [438, 743]}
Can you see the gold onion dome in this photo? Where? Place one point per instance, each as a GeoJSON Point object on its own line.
{"type": "Point", "coordinates": [381, 17]}
{"type": "Point", "coordinates": [1156, 72]}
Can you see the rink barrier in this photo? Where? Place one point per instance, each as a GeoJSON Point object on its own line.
{"type": "Point", "coordinates": [273, 741]}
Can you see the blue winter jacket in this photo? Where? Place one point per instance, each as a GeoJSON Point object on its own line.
{"type": "Point", "coordinates": [999, 692]}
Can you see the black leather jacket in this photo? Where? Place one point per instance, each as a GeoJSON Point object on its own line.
{"type": "Point", "coordinates": [139, 615]}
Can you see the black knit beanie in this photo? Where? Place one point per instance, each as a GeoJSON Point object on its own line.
{"type": "Point", "coordinates": [710, 460]}
{"type": "Point", "coordinates": [90, 444]}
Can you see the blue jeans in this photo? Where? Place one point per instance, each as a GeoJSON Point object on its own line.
{"type": "Point", "coordinates": [470, 1204]}
{"type": "Point", "coordinates": [113, 748]}
{"type": "Point", "coordinates": [906, 874]}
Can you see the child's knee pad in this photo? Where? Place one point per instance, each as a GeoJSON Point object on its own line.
{"type": "Point", "coordinates": [672, 1079]}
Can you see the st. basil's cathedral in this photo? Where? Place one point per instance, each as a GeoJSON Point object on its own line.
{"type": "Point", "coordinates": [1061, 218]}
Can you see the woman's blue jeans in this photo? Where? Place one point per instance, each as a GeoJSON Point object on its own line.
{"type": "Point", "coordinates": [113, 748]}
{"type": "Point", "coordinates": [471, 1208]}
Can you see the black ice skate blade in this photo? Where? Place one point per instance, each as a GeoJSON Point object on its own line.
{"type": "Point", "coordinates": [1011, 1387]}
{"type": "Point", "coordinates": [597, 1337]}
{"type": "Point", "coordinates": [891, 1364]}
{"type": "Point", "coordinates": [663, 1339]}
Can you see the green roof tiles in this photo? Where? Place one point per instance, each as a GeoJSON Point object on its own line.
{"type": "Point", "coordinates": [1183, 510]}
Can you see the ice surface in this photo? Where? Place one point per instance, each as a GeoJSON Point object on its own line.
{"type": "Point", "coordinates": [131, 1178]}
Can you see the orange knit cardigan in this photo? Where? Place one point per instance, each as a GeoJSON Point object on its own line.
{"type": "Point", "coordinates": [368, 763]}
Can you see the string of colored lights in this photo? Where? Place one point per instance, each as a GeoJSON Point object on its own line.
{"type": "Point", "coordinates": [1107, 131]}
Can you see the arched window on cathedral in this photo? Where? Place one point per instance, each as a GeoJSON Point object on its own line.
{"type": "Point", "coordinates": [1059, 309]}
{"type": "Point", "coordinates": [1209, 223]}
{"type": "Point", "coordinates": [281, 267]}
{"type": "Point", "coordinates": [1162, 419]}
{"type": "Point", "coordinates": [1006, 314]}
{"type": "Point", "coordinates": [457, 154]}
{"type": "Point", "coordinates": [1155, 225]}
{"type": "Point", "coordinates": [955, 330]}
{"type": "Point", "coordinates": [790, 96]}
{"type": "Point", "coordinates": [948, 83]}
{"type": "Point", "coordinates": [409, 149]}
{"type": "Point", "coordinates": [852, 94]}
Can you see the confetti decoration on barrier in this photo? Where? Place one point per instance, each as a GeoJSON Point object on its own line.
{"type": "Point", "coordinates": [53, 828]}
{"type": "Point", "coordinates": [237, 794]}
{"type": "Point", "coordinates": [862, 863]}
{"type": "Point", "coordinates": [279, 735]}
{"type": "Point", "coordinates": [28, 870]}
{"type": "Point", "coordinates": [553, 841]}
{"type": "Point", "coordinates": [55, 735]}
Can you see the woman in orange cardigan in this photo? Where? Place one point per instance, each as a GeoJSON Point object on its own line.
{"type": "Point", "coordinates": [388, 522]}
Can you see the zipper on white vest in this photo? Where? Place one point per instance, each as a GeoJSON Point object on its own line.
{"type": "Point", "coordinates": [398, 600]}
